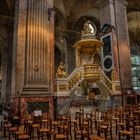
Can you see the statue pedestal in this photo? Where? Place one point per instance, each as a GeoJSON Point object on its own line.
{"type": "Point", "coordinates": [116, 96]}
{"type": "Point", "coordinates": [61, 87]}
{"type": "Point", "coordinates": [116, 88]}
{"type": "Point", "coordinates": [62, 101]}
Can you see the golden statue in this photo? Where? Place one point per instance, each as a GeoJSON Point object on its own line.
{"type": "Point", "coordinates": [61, 71]}
{"type": "Point", "coordinates": [114, 75]}
{"type": "Point", "coordinates": [87, 29]}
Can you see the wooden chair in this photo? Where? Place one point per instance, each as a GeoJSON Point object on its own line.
{"type": "Point", "coordinates": [89, 117]}
{"type": "Point", "coordinates": [120, 119]}
{"type": "Point", "coordinates": [105, 126]}
{"type": "Point", "coordinates": [59, 137]}
{"type": "Point", "coordinates": [33, 128]}
{"type": "Point", "coordinates": [82, 129]}
{"type": "Point", "coordinates": [127, 134]}
{"type": "Point", "coordinates": [6, 129]}
{"type": "Point", "coordinates": [65, 127]}
{"type": "Point", "coordinates": [18, 133]}
{"type": "Point", "coordinates": [95, 117]}
{"type": "Point", "coordinates": [12, 131]}
{"type": "Point", "coordinates": [34, 125]}
{"type": "Point", "coordinates": [43, 131]}
{"type": "Point", "coordinates": [24, 137]}
{"type": "Point", "coordinates": [130, 123]}
{"type": "Point", "coordinates": [93, 137]}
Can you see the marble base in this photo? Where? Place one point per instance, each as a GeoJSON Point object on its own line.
{"type": "Point", "coordinates": [62, 104]}
{"type": "Point", "coordinates": [27, 105]}
{"type": "Point", "coordinates": [115, 101]}
{"type": "Point", "coordinates": [30, 91]}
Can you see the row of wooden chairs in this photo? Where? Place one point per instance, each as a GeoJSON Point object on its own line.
{"type": "Point", "coordinates": [125, 120]}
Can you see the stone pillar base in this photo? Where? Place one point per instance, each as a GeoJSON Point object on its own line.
{"type": "Point", "coordinates": [27, 104]}
{"type": "Point", "coordinates": [62, 104]}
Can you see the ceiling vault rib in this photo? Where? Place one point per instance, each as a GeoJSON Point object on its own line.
{"type": "Point", "coordinates": [6, 6]}
{"type": "Point", "coordinates": [73, 11]}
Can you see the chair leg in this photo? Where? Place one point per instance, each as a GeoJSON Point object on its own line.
{"type": "Point", "coordinates": [116, 129]}
{"type": "Point", "coordinates": [98, 132]}
{"type": "Point", "coordinates": [9, 135]}
{"type": "Point", "coordinates": [42, 135]}
{"type": "Point", "coordinates": [134, 135]}
{"type": "Point", "coordinates": [119, 136]}
{"type": "Point", "coordinates": [111, 133]}
{"type": "Point", "coordinates": [128, 138]}
{"type": "Point", "coordinates": [105, 134]}
{"type": "Point", "coordinates": [4, 132]}
{"type": "Point", "coordinates": [75, 135]}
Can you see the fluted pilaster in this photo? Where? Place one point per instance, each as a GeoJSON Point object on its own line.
{"type": "Point", "coordinates": [34, 48]}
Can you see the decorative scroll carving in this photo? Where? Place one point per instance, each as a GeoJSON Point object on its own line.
{"type": "Point", "coordinates": [62, 87]}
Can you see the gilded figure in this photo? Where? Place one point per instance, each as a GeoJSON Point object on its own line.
{"type": "Point", "coordinates": [61, 71]}
{"type": "Point", "coordinates": [114, 75]}
{"type": "Point", "coordinates": [87, 29]}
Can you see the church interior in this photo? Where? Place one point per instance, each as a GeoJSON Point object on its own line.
{"type": "Point", "coordinates": [70, 69]}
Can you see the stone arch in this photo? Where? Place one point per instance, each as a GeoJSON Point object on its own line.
{"type": "Point", "coordinates": [80, 22]}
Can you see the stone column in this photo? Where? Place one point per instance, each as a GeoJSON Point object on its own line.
{"type": "Point", "coordinates": [107, 16]}
{"type": "Point", "coordinates": [113, 12]}
{"type": "Point", "coordinates": [123, 44]}
{"type": "Point", "coordinates": [107, 12]}
{"type": "Point", "coordinates": [33, 43]}
{"type": "Point", "coordinates": [6, 56]}
{"type": "Point", "coordinates": [51, 14]}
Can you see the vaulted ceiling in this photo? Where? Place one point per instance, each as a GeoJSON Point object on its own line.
{"type": "Point", "coordinates": [68, 13]}
{"type": "Point", "coordinates": [71, 13]}
{"type": "Point", "coordinates": [134, 21]}
{"type": "Point", "coordinates": [7, 9]}
{"type": "Point", "coordinates": [6, 20]}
